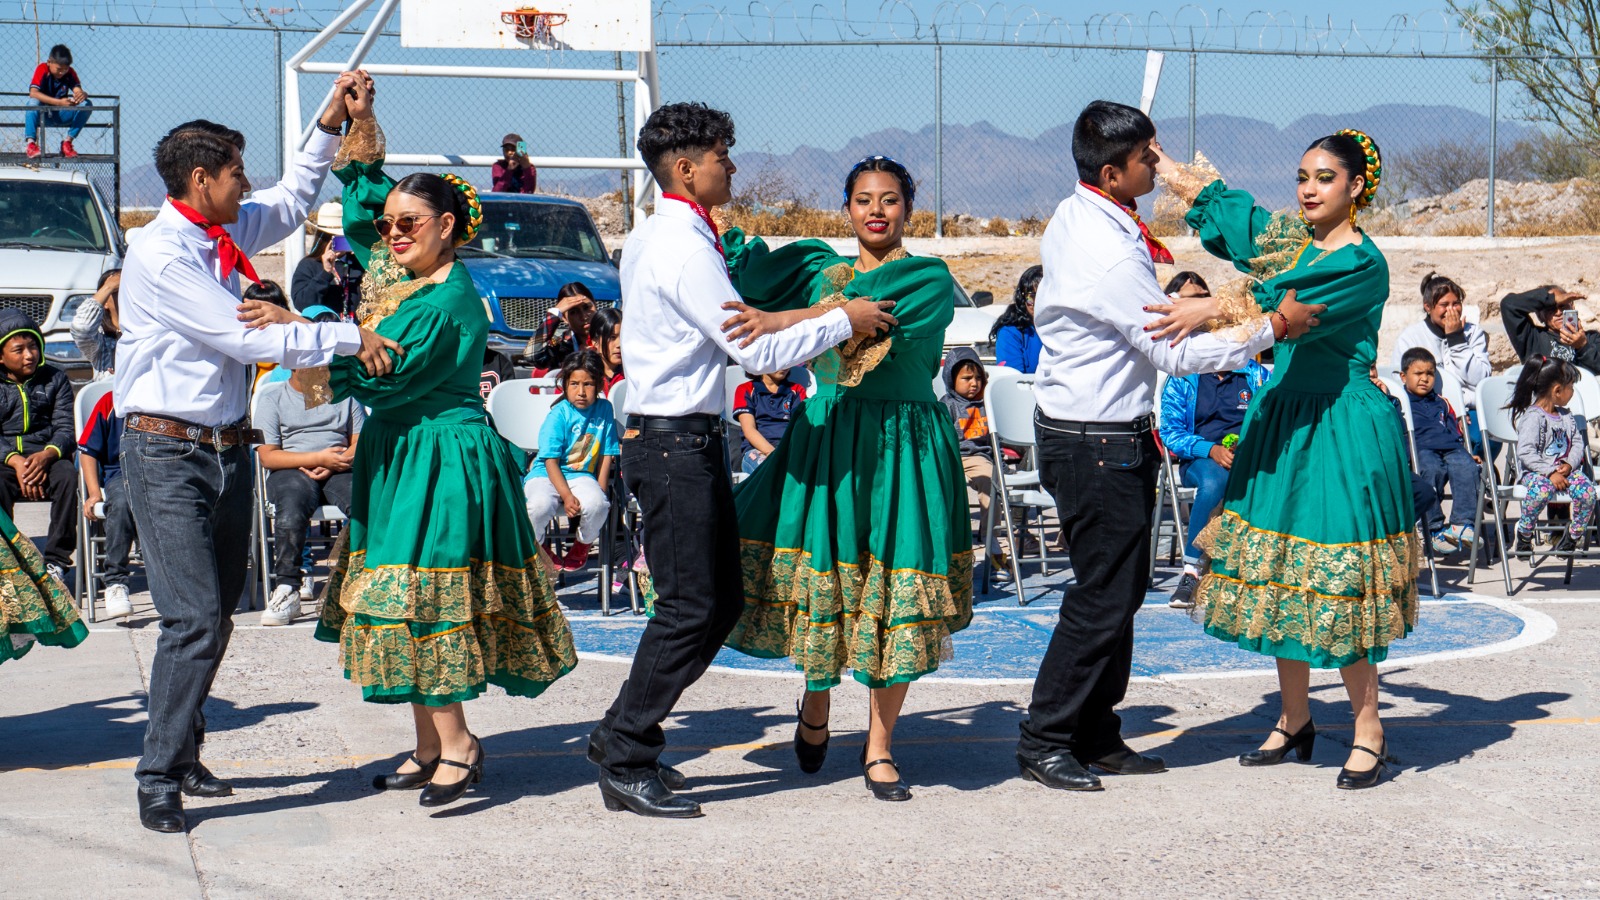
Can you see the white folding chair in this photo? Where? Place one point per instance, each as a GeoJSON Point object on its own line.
{"type": "Point", "coordinates": [91, 546]}
{"type": "Point", "coordinates": [624, 513]}
{"type": "Point", "coordinates": [1398, 390]}
{"type": "Point", "coordinates": [1495, 423]}
{"type": "Point", "coordinates": [1009, 405]}
{"type": "Point", "coordinates": [266, 513]}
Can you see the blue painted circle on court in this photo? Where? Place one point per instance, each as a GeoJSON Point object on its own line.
{"type": "Point", "coordinates": [1006, 642]}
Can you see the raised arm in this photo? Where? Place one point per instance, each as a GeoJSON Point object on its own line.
{"type": "Point", "coordinates": [366, 187]}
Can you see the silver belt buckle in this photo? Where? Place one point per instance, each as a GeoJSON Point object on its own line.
{"type": "Point", "coordinates": [193, 432]}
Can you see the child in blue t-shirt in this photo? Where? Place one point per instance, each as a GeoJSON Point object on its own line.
{"type": "Point", "coordinates": [576, 447]}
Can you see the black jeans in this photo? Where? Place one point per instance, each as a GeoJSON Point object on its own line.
{"type": "Point", "coordinates": [1104, 487]}
{"type": "Point", "coordinates": [61, 489]}
{"type": "Point", "coordinates": [119, 530]}
{"type": "Point", "coordinates": [294, 496]}
{"type": "Point", "coordinates": [191, 504]}
{"type": "Point", "coordinates": [691, 541]}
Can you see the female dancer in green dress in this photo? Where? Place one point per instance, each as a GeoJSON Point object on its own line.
{"type": "Point", "coordinates": [441, 588]}
{"type": "Point", "coordinates": [1314, 557]}
{"type": "Point", "coordinates": [34, 606]}
{"type": "Point", "coordinates": [855, 534]}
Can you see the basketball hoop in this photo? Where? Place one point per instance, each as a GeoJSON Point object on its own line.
{"type": "Point", "coordinates": [531, 24]}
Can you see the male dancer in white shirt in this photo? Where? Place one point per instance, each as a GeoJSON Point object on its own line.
{"type": "Point", "coordinates": [676, 291]}
{"type": "Point", "coordinates": [1097, 455]}
{"type": "Point", "coordinates": [184, 363]}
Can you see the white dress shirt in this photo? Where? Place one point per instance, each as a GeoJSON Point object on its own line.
{"type": "Point", "coordinates": [1467, 360]}
{"type": "Point", "coordinates": [1097, 364]}
{"type": "Point", "coordinates": [674, 282]}
{"type": "Point", "coordinates": [183, 352]}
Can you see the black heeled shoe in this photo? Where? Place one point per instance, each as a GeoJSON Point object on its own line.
{"type": "Point", "coordinates": [445, 794]}
{"type": "Point", "coordinates": [1300, 742]}
{"type": "Point", "coordinates": [1354, 781]}
{"type": "Point", "coordinates": [810, 755]}
{"type": "Point", "coordinates": [883, 790]}
{"type": "Point", "coordinates": [406, 781]}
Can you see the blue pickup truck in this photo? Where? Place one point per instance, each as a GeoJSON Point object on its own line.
{"type": "Point", "coordinates": [529, 246]}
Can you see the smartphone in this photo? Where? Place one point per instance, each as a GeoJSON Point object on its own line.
{"type": "Point", "coordinates": [1569, 319]}
{"type": "Point", "coordinates": [522, 148]}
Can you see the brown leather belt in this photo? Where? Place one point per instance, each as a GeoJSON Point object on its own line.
{"type": "Point", "coordinates": [220, 438]}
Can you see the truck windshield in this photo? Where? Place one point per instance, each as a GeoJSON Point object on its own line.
{"type": "Point", "coordinates": [533, 229]}
{"type": "Point", "coordinates": [46, 215]}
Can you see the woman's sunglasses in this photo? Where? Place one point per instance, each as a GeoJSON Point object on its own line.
{"type": "Point", "coordinates": [400, 226]}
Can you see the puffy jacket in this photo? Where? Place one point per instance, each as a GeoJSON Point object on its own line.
{"type": "Point", "coordinates": [1177, 412]}
{"type": "Point", "coordinates": [972, 423]}
{"type": "Point", "coordinates": [37, 412]}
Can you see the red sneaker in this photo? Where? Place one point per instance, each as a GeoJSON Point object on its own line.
{"type": "Point", "coordinates": [576, 558]}
{"type": "Point", "coordinates": [33, 150]}
{"type": "Point", "coordinates": [67, 151]}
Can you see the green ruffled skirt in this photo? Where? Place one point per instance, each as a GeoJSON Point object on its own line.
{"type": "Point", "coordinates": [34, 607]}
{"type": "Point", "coordinates": [439, 588]}
{"type": "Point", "coordinates": [856, 543]}
{"type": "Point", "coordinates": [1314, 555]}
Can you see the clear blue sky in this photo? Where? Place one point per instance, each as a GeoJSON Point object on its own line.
{"type": "Point", "coordinates": [783, 99]}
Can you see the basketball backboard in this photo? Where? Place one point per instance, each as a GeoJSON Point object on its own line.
{"type": "Point", "coordinates": [582, 25]}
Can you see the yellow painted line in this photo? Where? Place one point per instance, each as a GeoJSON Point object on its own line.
{"type": "Point", "coordinates": [1168, 734]}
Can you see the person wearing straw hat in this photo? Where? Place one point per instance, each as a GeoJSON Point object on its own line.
{"type": "Point", "coordinates": [329, 275]}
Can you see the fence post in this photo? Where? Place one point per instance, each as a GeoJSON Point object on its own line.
{"type": "Point", "coordinates": [938, 137]}
{"type": "Point", "coordinates": [1494, 122]}
{"type": "Point", "coordinates": [622, 147]}
{"type": "Point", "coordinates": [277, 47]}
{"type": "Point", "coordinates": [1192, 57]}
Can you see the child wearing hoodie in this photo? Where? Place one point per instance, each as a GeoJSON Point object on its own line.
{"type": "Point", "coordinates": [36, 422]}
{"type": "Point", "coordinates": [965, 381]}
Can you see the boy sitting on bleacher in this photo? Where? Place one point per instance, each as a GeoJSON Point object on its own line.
{"type": "Point", "coordinates": [36, 429]}
{"type": "Point", "coordinates": [1441, 453]}
{"type": "Point", "coordinates": [308, 454]}
{"type": "Point", "coordinates": [101, 443]}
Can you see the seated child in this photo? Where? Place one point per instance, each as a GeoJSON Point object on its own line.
{"type": "Point", "coordinates": [1423, 496]}
{"type": "Point", "coordinates": [101, 443]}
{"type": "Point", "coordinates": [965, 381]}
{"type": "Point", "coordinates": [1549, 450]}
{"type": "Point", "coordinates": [577, 448]}
{"type": "Point", "coordinates": [1442, 454]}
{"type": "Point", "coordinates": [36, 425]}
{"type": "Point", "coordinates": [763, 407]}
{"type": "Point", "coordinates": [1201, 417]}
{"type": "Point", "coordinates": [308, 454]}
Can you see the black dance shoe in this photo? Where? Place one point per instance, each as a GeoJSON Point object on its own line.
{"type": "Point", "coordinates": [893, 791]}
{"type": "Point", "coordinates": [1355, 781]}
{"type": "Point", "coordinates": [201, 783]}
{"type": "Point", "coordinates": [1300, 742]}
{"type": "Point", "coordinates": [810, 755]}
{"type": "Point", "coordinates": [1123, 761]}
{"type": "Point", "coordinates": [596, 753]}
{"type": "Point", "coordinates": [646, 798]}
{"type": "Point", "coordinates": [445, 794]}
{"type": "Point", "coordinates": [162, 812]}
{"type": "Point", "coordinates": [1061, 770]}
{"type": "Point", "coordinates": [406, 781]}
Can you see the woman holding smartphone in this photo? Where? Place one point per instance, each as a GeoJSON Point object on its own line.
{"type": "Point", "coordinates": [514, 173]}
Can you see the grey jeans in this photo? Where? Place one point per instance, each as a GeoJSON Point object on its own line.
{"type": "Point", "coordinates": [191, 505]}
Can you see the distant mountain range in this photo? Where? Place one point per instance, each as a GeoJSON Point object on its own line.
{"type": "Point", "coordinates": [988, 172]}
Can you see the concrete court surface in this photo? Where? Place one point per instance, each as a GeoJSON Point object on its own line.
{"type": "Point", "coordinates": [1495, 791]}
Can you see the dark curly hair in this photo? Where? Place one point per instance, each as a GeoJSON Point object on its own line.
{"type": "Point", "coordinates": [1017, 315]}
{"type": "Point", "coordinates": [680, 127]}
{"type": "Point", "coordinates": [194, 145]}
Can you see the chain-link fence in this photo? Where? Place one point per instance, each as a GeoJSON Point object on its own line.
{"type": "Point", "coordinates": [985, 127]}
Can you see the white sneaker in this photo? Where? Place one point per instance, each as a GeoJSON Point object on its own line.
{"type": "Point", "coordinates": [56, 572]}
{"type": "Point", "coordinates": [117, 602]}
{"type": "Point", "coordinates": [283, 606]}
{"type": "Point", "coordinates": [307, 593]}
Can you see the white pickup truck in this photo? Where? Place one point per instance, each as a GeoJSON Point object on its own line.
{"type": "Point", "coordinates": [56, 236]}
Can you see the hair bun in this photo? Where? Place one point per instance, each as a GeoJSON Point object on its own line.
{"type": "Point", "coordinates": [469, 207]}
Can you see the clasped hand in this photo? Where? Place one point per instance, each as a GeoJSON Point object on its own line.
{"type": "Point", "coordinates": [374, 353]}
{"type": "Point", "coordinates": [1183, 317]}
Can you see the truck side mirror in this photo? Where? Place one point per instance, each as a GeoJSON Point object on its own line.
{"type": "Point", "coordinates": [616, 257]}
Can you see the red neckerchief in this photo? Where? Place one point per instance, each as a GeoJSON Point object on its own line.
{"type": "Point", "coordinates": [705, 216]}
{"type": "Point", "coordinates": [232, 257]}
{"type": "Point", "coordinates": [1158, 250]}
